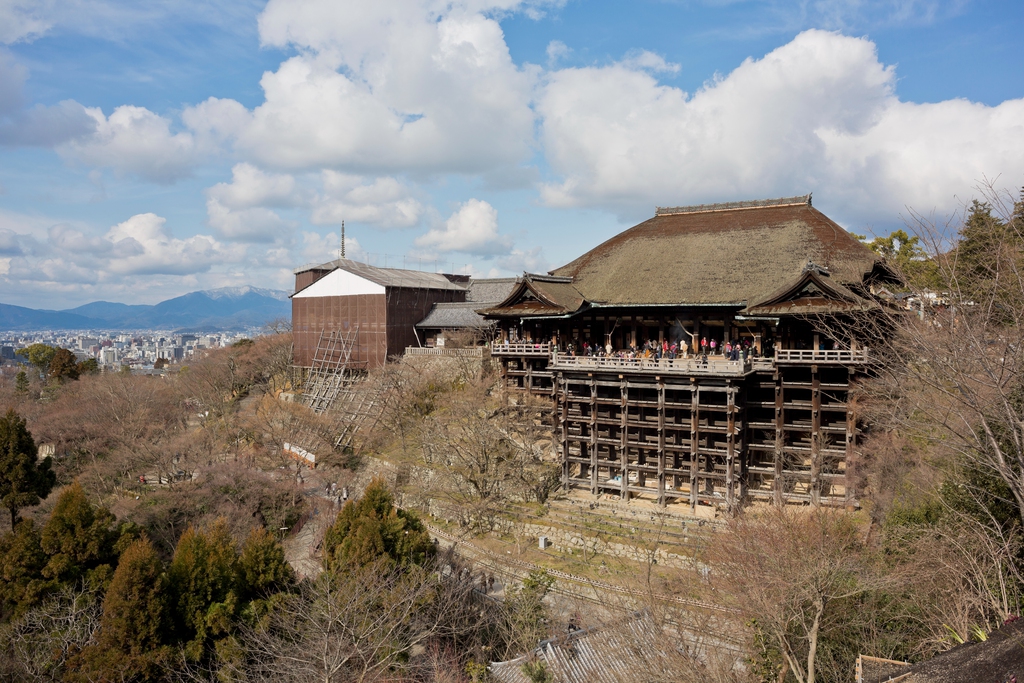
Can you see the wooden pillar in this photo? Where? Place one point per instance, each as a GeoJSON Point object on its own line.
{"type": "Point", "coordinates": [694, 441]}
{"type": "Point", "coordinates": [779, 439]}
{"type": "Point", "coordinates": [593, 436]}
{"type": "Point", "coordinates": [661, 441]}
{"type": "Point", "coordinates": [815, 435]}
{"type": "Point", "coordinates": [623, 430]}
{"type": "Point", "coordinates": [851, 440]}
{"type": "Point", "coordinates": [730, 447]}
{"type": "Point", "coordinates": [559, 380]}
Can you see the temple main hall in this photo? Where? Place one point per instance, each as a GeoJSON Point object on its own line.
{"type": "Point", "coordinates": [704, 357]}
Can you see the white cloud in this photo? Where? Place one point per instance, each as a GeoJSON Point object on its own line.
{"type": "Point", "coordinates": [381, 87]}
{"type": "Point", "coordinates": [819, 113]}
{"type": "Point", "coordinates": [26, 20]}
{"type": "Point", "coordinates": [557, 51]}
{"type": "Point", "coordinates": [648, 61]}
{"type": "Point", "coordinates": [22, 19]}
{"type": "Point", "coordinates": [472, 229]}
{"type": "Point", "coordinates": [142, 246]}
{"type": "Point", "coordinates": [384, 202]}
{"type": "Point", "coordinates": [38, 125]}
{"type": "Point", "coordinates": [256, 224]}
{"type": "Point", "coordinates": [135, 260]}
{"type": "Point", "coordinates": [251, 187]}
{"type": "Point", "coordinates": [135, 140]}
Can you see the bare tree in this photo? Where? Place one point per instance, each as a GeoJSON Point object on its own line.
{"type": "Point", "coordinates": [362, 625]}
{"type": "Point", "coordinates": [40, 643]}
{"type": "Point", "coordinates": [949, 373]}
{"type": "Point", "coordinates": [788, 573]}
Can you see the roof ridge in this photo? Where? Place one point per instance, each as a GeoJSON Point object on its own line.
{"type": "Point", "coordinates": [801, 200]}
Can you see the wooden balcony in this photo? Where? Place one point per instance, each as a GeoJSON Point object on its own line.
{"type": "Point", "coordinates": [835, 357]}
{"type": "Point", "coordinates": [521, 349]}
{"type": "Point", "coordinates": [650, 366]}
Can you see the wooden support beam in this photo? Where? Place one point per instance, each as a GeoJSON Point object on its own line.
{"type": "Point", "coordinates": [777, 485]}
{"type": "Point", "coordinates": [559, 381]}
{"type": "Point", "coordinates": [730, 448]}
{"type": "Point", "coordinates": [661, 442]}
{"type": "Point", "coordinates": [815, 436]}
{"type": "Point", "coordinates": [623, 449]}
{"type": "Point", "coordinates": [694, 441]}
{"type": "Point", "coordinates": [593, 436]}
{"type": "Point", "coordinates": [851, 441]}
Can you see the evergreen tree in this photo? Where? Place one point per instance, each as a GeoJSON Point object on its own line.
{"type": "Point", "coordinates": [21, 382]}
{"type": "Point", "coordinates": [38, 355]}
{"type": "Point", "coordinates": [63, 366]}
{"type": "Point", "coordinates": [79, 539]}
{"type": "Point", "coordinates": [132, 640]}
{"type": "Point", "coordinates": [23, 478]}
{"type": "Point", "coordinates": [372, 529]}
{"type": "Point", "coordinates": [21, 562]}
{"type": "Point", "coordinates": [905, 254]}
{"type": "Point", "coordinates": [261, 566]}
{"type": "Point", "coordinates": [204, 576]}
{"type": "Point", "coordinates": [89, 366]}
{"type": "Point", "coordinates": [989, 257]}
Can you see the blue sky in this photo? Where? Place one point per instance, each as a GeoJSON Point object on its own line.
{"type": "Point", "coordinates": [148, 150]}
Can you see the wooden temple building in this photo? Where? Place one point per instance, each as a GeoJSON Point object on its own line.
{"type": "Point", "coordinates": [771, 421]}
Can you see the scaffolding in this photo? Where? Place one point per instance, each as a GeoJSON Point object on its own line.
{"type": "Point", "coordinates": [330, 373]}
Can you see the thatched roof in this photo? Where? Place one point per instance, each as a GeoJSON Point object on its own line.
{"type": "Point", "coordinates": [812, 292]}
{"type": "Point", "coordinates": [538, 295]}
{"type": "Point", "coordinates": [999, 658]}
{"type": "Point", "coordinates": [736, 253]}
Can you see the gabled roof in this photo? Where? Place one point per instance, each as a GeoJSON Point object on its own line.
{"type": "Point", "coordinates": [813, 291]}
{"type": "Point", "coordinates": [733, 253]}
{"type": "Point", "coordinates": [538, 295]}
{"type": "Point", "coordinates": [389, 277]}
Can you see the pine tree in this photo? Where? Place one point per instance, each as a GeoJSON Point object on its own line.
{"type": "Point", "coordinates": [23, 478]}
{"type": "Point", "coordinates": [204, 575]}
{"type": "Point", "coordinates": [371, 529]}
{"type": "Point", "coordinates": [21, 382]}
{"type": "Point", "coordinates": [80, 540]}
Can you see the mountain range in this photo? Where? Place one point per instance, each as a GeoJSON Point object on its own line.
{"type": "Point", "coordinates": [228, 308]}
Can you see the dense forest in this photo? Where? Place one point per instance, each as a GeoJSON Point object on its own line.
{"type": "Point", "coordinates": [151, 544]}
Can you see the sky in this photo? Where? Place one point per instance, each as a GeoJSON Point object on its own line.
{"type": "Point", "coordinates": [152, 149]}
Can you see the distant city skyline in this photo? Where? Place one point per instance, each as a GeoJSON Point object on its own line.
{"type": "Point", "coordinates": [147, 151]}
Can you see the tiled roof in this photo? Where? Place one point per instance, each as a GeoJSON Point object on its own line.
{"type": "Point", "coordinates": [490, 290]}
{"type": "Point", "coordinates": [451, 316]}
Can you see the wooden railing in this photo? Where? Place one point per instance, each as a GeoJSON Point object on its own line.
{"type": "Point", "coordinates": [472, 352]}
{"type": "Point", "coordinates": [521, 349]}
{"type": "Point", "coordinates": [819, 356]}
{"type": "Point", "coordinates": [683, 366]}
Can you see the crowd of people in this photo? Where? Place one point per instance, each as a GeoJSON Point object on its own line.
{"type": "Point", "coordinates": [733, 350]}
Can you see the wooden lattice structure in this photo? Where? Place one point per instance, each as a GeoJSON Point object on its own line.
{"type": "Point", "coordinates": [330, 371]}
